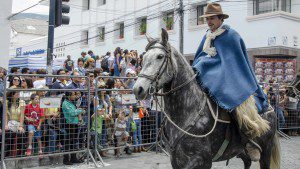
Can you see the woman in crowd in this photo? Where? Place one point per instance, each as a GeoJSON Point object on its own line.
{"type": "Point", "coordinates": [26, 83]}
{"type": "Point", "coordinates": [15, 82]}
{"type": "Point", "coordinates": [14, 123]}
{"type": "Point", "coordinates": [71, 115]}
{"type": "Point", "coordinates": [2, 81]}
{"type": "Point", "coordinates": [117, 61]}
{"type": "Point", "coordinates": [98, 62]}
{"type": "Point", "coordinates": [89, 65]}
{"type": "Point", "coordinates": [80, 69]}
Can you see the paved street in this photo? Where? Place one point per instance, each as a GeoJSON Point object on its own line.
{"type": "Point", "coordinates": [290, 160]}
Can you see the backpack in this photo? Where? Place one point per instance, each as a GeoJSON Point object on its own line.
{"type": "Point", "coordinates": [104, 63]}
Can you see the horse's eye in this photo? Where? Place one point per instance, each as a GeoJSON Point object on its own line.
{"type": "Point", "coordinates": [160, 56]}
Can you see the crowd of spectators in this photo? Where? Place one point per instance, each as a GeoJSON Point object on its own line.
{"type": "Point", "coordinates": [32, 130]}
{"type": "Point", "coordinates": [284, 99]}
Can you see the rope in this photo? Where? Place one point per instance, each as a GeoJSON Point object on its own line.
{"type": "Point", "coordinates": [193, 135]}
{"type": "Point", "coordinates": [177, 88]}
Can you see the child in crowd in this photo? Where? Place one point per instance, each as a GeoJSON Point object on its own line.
{"type": "Point", "coordinates": [97, 122]}
{"type": "Point", "coordinates": [34, 116]}
{"type": "Point", "coordinates": [120, 133]}
{"type": "Point", "coordinates": [78, 105]}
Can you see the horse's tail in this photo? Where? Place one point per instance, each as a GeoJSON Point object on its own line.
{"type": "Point", "coordinates": [275, 154]}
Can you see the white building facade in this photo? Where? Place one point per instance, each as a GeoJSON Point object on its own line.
{"type": "Point", "coordinates": [5, 11]}
{"type": "Point", "coordinates": [269, 28]}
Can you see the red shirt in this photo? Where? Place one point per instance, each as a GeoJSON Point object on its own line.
{"type": "Point", "coordinates": [34, 112]}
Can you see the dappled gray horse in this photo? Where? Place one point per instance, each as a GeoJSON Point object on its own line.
{"type": "Point", "coordinates": [192, 133]}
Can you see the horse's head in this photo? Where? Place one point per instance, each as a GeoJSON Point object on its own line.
{"type": "Point", "coordinates": [158, 67]}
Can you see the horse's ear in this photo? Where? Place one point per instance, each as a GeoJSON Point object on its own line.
{"type": "Point", "coordinates": [164, 36]}
{"type": "Point", "coordinates": [149, 38]}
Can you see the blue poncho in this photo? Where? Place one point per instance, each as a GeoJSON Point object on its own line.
{"type": "Point", "coordinates": [228, 77]}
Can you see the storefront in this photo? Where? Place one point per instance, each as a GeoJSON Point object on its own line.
{"type": "Point", "coordinates": [278, 63]}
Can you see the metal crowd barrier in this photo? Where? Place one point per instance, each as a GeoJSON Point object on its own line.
{"type": "Point", "coordinates": [42, 126]}
{"type": "Point", "coordinates": [45, 122]}
{"type": "Point", "coordinates": [285, 100]}
{"type": "Point", "coordinates": [123, 123]}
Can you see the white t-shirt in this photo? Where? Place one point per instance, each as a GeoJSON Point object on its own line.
{"type": "Point", "coordinates": [98, 63]}
{"type": "Point", "coordinates": [111, 61]}
{"type": "Point", "coordinates": [39, 83]}
{"type": "Point", "coordinates": [120, 126]}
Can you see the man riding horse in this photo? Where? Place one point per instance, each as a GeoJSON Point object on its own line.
{"type": "Point", "coordinates": [225, 73]}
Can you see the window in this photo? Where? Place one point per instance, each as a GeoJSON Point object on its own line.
{"type": "Point", "coordinates": [85, 37]}
{"type": "Point", "coordinates": [196, 11]}
{"type": "Point", "coordinates": [101, 34]}
{"type": "Point", "coordinates": [86, 4]}
{"type": "Point", "coordinates": [266, 6]}
{"type": "Point", "coordinates": [168, 21]}
{"type": "Point", "coordinates": [141, 26]}
{"type": "Point", "coordinates": [200, 11]}
{"type": "Point", "coordinates": [101, 2]}
{"type": "Point", "coordinates": [119, 30]}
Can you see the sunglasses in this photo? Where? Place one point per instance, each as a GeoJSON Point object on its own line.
{"type": "Point", "coordinates": [23, 80]}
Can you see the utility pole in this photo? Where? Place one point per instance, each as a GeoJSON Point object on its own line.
{"type": "Point", "coordinates": [50, 35]}
{"type": "Point", "coordinates": [181, 25]}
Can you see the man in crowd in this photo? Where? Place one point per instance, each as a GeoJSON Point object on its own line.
{"type": "Point", "coordinates": [60, 81]}
{"type": "Point", "coordinates": [69, 64]}
{"type": "Point", "coordinates": [84, 56]}
{"type": "Point", "coordinates": [92, 55]}
{"type": "Point", "coordinates": [25, 70]}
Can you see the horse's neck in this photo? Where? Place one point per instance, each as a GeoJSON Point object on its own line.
{"type": "Point", "coordinates": [187, 101]}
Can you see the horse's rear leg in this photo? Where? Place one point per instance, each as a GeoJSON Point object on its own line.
{"type": "Point", "coordinates": [265, 158]}
{"type": "Point", "coordinates": [246, 159]}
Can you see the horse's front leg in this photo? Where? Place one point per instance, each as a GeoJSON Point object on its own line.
{"type": "Point", "coordinates": [196, 157]}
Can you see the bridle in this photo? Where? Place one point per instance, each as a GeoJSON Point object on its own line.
{"type": "Point", "coordinates": [156, 77]}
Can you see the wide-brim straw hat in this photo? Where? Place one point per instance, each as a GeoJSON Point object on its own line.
{"type": "Point", "coordinates": [213, 9]}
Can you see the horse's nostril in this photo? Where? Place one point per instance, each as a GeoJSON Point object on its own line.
{"type": "Point", "coordinates": [141, 89]}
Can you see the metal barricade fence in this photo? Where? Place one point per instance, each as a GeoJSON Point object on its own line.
{"type": "Point", "coordinates": [104, 115]}
{"type": "Point", "coordinates": [44, 122]}
{"type": "Point", "coordinates": [285, 100]}
{"type": "Point", "coordinates": [119, 121]}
